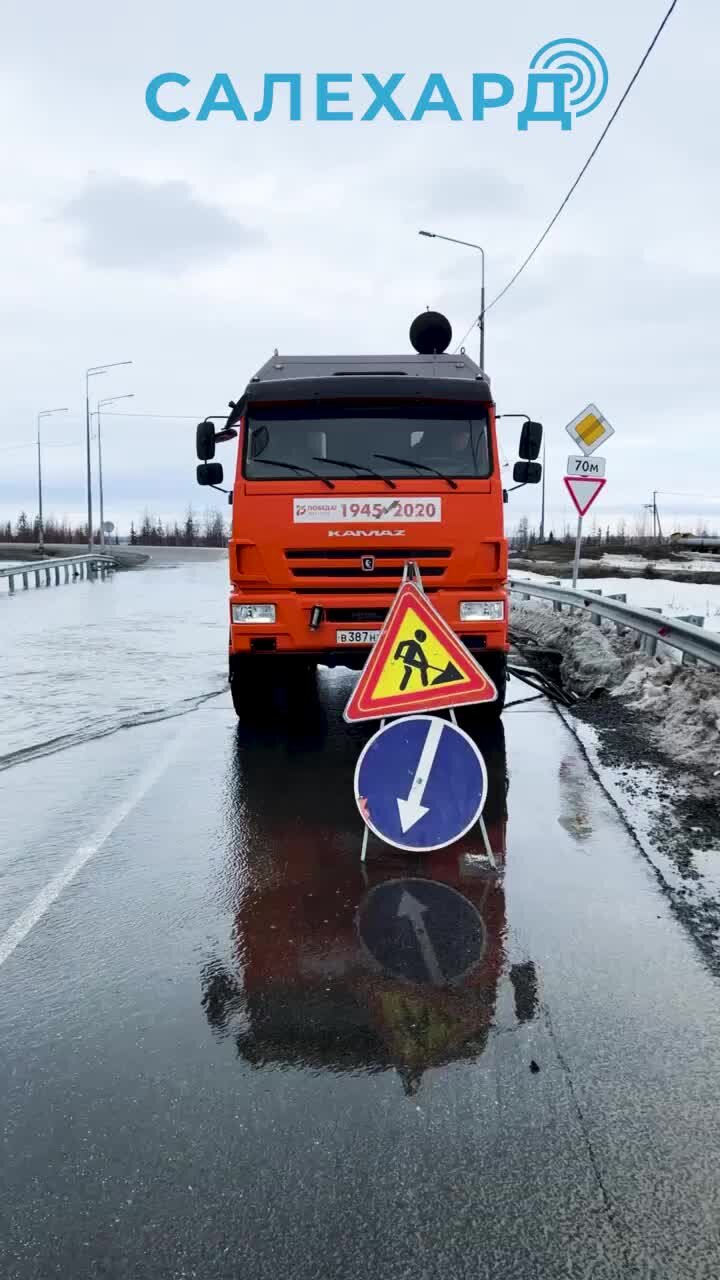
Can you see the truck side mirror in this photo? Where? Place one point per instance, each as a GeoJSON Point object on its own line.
{"type": "Point", "coordinates": [205, 443]}
{"type": "Point", "coordinates": [524, 472]}
{"type": "Point", "coordinates": [530, 441]}
{"type": "Point", "coordinates": [210, 473]}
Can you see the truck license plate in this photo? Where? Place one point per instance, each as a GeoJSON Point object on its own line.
{"type": "Point", "coordinates": [356, 637]}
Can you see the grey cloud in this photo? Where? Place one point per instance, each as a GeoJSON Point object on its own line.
{"type": "Point", "coordinates": [129, 223]}
{"type": "Point", "coordinates": [456, 192]}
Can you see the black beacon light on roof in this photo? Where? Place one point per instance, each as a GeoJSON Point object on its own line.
{"type": "Point", "coordinates": [430, 333]}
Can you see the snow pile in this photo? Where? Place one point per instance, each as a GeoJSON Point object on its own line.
{"type": "Point", "coordinates": [680, 704]}
{"type": "Point", "coordinates": [594, 659]}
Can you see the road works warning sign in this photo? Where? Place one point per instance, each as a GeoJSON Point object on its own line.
{"type": "Point", "coordinates": [417, 664]}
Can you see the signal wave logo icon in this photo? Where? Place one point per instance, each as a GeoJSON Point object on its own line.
{"type": "Point", "coordinates": [577, 71]}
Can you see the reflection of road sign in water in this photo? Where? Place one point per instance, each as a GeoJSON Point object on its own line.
{"type": "Point", "coordinates": [583, 491]}
{"type": "Point", "coordinates": [590, 429]}
{"type": "Point", "coordinates": [420, 783]}
{"type": "Point", "coordinates": [417, 664]}
{"type": "Point", "coordinates": [422, 931]}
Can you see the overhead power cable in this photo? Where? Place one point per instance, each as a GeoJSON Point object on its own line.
{"type": "Point", "coordinates": [526, 262]}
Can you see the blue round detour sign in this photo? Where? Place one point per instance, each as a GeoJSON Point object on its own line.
{"type": "Point", "coordinates": [420, 783]}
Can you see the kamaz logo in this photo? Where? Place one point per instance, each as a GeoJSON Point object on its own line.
{"type": "Point", "coordinates": [367, 533]}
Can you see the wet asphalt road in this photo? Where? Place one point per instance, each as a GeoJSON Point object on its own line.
{"type": "Point", "coordinates": [214, 1066]}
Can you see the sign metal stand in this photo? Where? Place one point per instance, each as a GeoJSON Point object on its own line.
{"type": "Point", "coordinates": [411, 573]}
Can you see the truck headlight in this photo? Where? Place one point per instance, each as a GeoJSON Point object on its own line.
{"type": "Point", "coordinates": [482, 610]}
{"type": "Point", "coordinates": [253, 613]}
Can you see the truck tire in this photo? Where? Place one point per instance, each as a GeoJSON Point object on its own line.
{"type": "Point", "coordinates": [248, 684]}
{"type": "Point", "coordinates": [256, 681]}
{"type": "Point", "coordinates": [498, 673]}
{"type": "Point", "coordinates": [482, 713]}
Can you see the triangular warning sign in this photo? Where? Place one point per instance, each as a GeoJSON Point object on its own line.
{"type": "Point", "coordinates": [417, 664]}
{"type": "Point", "coordinates": [583, 490]}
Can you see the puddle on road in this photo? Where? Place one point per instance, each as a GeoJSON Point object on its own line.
{"type": "Point", "coordinates": [339, 966]}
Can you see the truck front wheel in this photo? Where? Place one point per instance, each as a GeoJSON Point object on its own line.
{"type": "Point", "coordinates": [255, 681]}
{"type": "Point", "coordinates": [495, 666]}
{"type": "Point", "coordinates": [248, 684]}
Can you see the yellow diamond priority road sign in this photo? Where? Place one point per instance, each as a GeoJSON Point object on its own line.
{"type": "Point", "coordinates": [590, 429]}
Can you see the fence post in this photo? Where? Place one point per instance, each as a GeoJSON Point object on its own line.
{"type": "Point", "coordinates": [25, 581]}
{"type": "Point", "coordinates": [621, 596]}
{"type": "Point", "coordinates": [11, 584]}
{"type": "Point", "coordinates": [594, 617]}
{"type": "Point", "coordinates": [651, 642]}
{"type": "Point", "coordinates": [697, 620]}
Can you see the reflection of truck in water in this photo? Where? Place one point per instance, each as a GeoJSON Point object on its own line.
{"type": "Point", "coordinates": [347, 467]}
{"type": "Point", "coordinates": [340, 967]}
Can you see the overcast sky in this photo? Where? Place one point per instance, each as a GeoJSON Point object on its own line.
{"type": "Point", "coordinates": [194, 249]}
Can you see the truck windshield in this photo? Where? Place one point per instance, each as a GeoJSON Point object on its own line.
{"type": "Point", "coordinates": [449, 439]}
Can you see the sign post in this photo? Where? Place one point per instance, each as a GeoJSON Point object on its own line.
{"type": "Point", "coordinates": [420, 782]}
{"type": "Point", "coordinates": [583, 493]}
{"type": "Point", "coordinates": [585, 476]}
{"type": "Point", "coordinates": [576, 559]}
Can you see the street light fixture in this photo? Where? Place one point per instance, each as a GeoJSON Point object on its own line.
{"type": "Point", "coordinates": [468, 244]}
{"type": "Point", "coordinates": [93, 372]}
{"type": "Point", "coordinates": [44, 413]}
{"type": "Point", "coordinates": [100, 403]}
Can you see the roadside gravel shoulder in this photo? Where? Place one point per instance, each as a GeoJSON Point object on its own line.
{"type": "Point", "coordinates": [651, 731]}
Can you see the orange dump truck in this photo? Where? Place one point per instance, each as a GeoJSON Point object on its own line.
{"type": "Point", "coordinates": [348, 467]}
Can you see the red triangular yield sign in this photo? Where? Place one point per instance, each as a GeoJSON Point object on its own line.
{"type": "Point", "coordinates": [417, 664]}
{"type": "Point", "coordinates": [583, 490]}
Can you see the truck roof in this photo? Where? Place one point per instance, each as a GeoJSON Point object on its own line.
{"type": "Point", "coordinates": [285, 379]}
{"type": "Point", "coordinates": [445, 365]}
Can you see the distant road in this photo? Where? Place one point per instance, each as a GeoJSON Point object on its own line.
{"type": "Point", "coordinates": [137, 553]}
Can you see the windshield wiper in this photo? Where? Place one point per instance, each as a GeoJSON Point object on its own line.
{"type": "Point", "coordinates": [419, 466]}
{"type": "Point", "coordinates": [360, 467]}
{"type": "Point", "coordinates": [290, 466]}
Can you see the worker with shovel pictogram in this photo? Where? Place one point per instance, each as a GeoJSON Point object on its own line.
{"type": "Point", "coordinates": [412, 655]}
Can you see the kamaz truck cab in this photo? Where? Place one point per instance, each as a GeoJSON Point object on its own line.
{"type": "Point", "coordinates": [347, 468]}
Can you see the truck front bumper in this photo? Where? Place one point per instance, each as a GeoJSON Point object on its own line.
{"type": "Point", "coordinates": [308, 625]}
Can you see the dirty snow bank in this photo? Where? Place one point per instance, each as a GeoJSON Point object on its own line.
{"type": "Point", "coordinates": [680, 704]}
{"type": "Point", "coordinates": [594, 659]}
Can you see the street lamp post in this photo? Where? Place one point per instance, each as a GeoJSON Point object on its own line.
{"type": "Point", "coordinates": [44, 413]}
{"type": "Point", "coordinates": [100, 403]}
{"type": "Point", "coordinates": [433, 235]}
{"type": "Point", "coordinates": [93, 372]}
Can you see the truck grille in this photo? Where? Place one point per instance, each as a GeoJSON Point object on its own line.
{"type": "Point", "coordinates": [335, 563]}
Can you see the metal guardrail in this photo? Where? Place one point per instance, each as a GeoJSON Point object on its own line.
{"type": "Point", "coordinates": [679, 633]}
{"type": "Point", "coordinates": [81, 566]}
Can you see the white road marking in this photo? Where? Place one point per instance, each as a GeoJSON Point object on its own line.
{"type": "Point", "coordinates": [43, 901]}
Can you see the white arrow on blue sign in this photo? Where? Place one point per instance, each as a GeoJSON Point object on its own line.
{"type": "Point", "coordinates": [420, 783]}
{"type": "Point", "coordinates": [422, 931]}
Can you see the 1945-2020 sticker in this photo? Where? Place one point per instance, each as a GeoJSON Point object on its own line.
{"type": "Point", "coordinates": [370, 510]}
